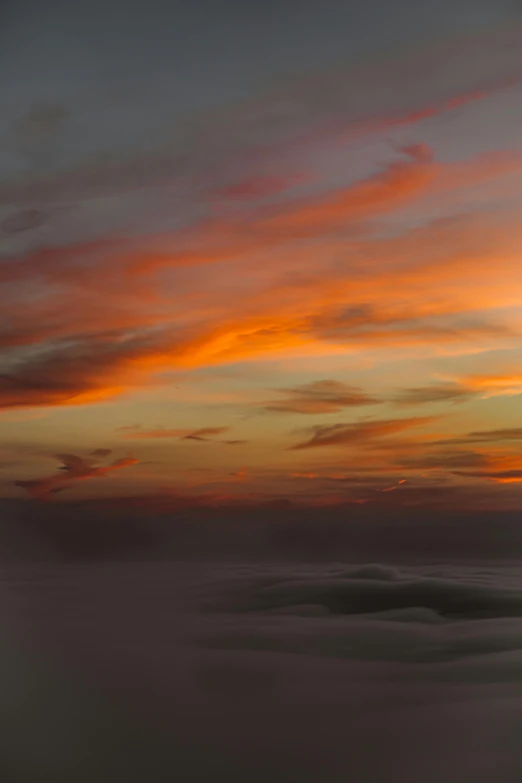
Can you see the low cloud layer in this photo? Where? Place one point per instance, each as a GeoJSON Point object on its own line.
{"type": "Point", "coordinates": [310, 693]}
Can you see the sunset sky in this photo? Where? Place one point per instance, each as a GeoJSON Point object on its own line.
{"type": "Point", "coordinates": [262, 251]}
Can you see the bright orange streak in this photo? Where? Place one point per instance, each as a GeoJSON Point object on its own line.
{"type": "Point", "coordinates": [483, 272]}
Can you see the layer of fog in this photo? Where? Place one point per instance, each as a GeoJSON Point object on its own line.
{"type": "Point", "coordinates": [252, 671]}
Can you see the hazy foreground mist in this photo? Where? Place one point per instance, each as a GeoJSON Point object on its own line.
{"type": "Point", "coordinates": [123, 662]}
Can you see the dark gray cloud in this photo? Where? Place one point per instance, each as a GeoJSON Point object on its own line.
{"type": "Point", "coordinates": [326, 396]}
{"type": "Point", "coordinates": [203, 432]}
{"type": "Point", "coordinates": [136, 432]}
{"type": "Point", "coordinates": [445, 460]}
{"type": "Point", "coordinates": [358, 432]}
{"type": "Point", "coordinates": [73, 469]}
{"type": "Point", "coordinates": [101, 453]}
{"type": "Point", "coordinates": [510, 433]}
{"type": "Point", "coordinates": [234, 442]}
{"type": "Point", "coordinates": [56, 372]}
{"type": "Point", "coordinates": [23, 220]}
{"type": "Point", "coordinates": [500, 476]}
{"type": "Point", "coordinates": [485, 436]}
{"type": "Point", "coordinates": [353, 595]}
{"type": "Point", "coordinates": [440, 392]}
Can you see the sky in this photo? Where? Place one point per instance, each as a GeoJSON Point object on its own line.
{"type": "Point", "coordinates": [262, 252]}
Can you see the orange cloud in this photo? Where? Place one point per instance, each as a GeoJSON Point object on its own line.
{"type": "Point", "coordinates": [95, 334]}
{"type": "Point", "coordinates": [326, 396]}
{"type": "Point", "coordinates": [271, 227]}
{"type": "Point", "coordinates": [483, 386]}
{"type": "Point", "coordinates": [500, 469]}
{"type": "Point", "coordinates": [377, 195]}
{"type": "Point", "coordinates": [495, 385]}
{"type": "Point", "coordinates": [75, 469]}
{"type": "Point", "coordinates": [437, 392]}
{"type": "Point", "coordinates": [183, 434]}
{"type": "Point", "coordinates": [361, 431]}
